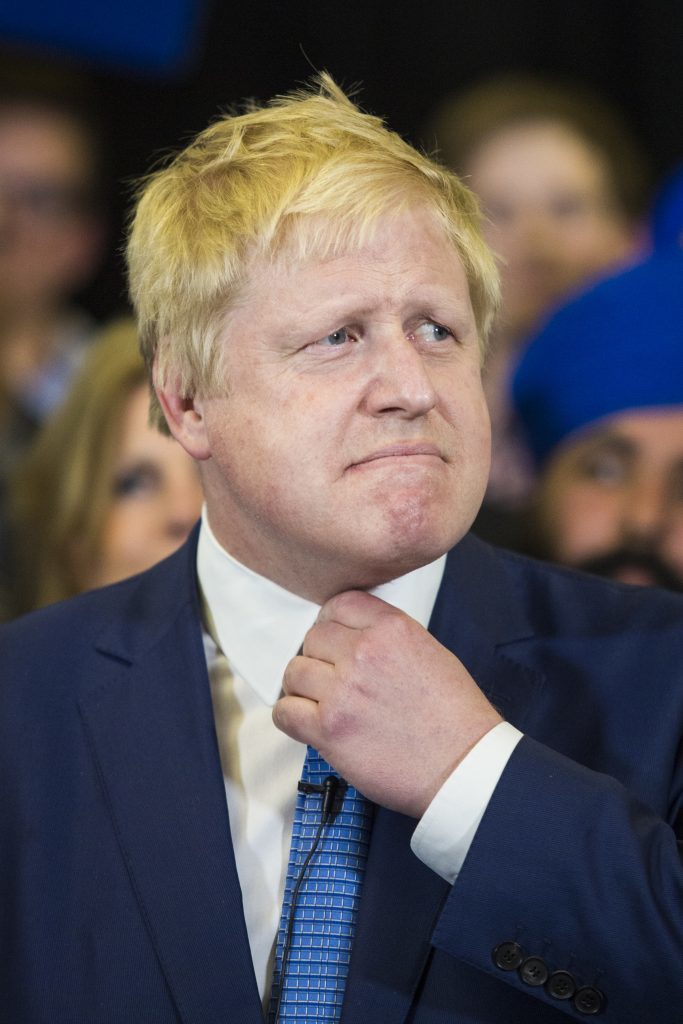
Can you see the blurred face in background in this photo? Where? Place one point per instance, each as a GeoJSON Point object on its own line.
{"type": "Point", "coordinates": [155, 498]}
{"type": "Point", "coordinates": [50, 235]}
{"type": "Point", "coordinates": [611, 501]}
{"type": "Point", "coordinates": [553, 218]}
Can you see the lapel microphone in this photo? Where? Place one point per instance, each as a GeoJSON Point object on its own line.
{"type": "Point", "coordinates": [333, 790]}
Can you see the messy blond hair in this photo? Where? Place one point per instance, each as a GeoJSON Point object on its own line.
{"type": "Point", "coordinates": [309, 172]}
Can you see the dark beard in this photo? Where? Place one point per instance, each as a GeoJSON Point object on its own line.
{"type": "Point", "coordinates": [649, 562]}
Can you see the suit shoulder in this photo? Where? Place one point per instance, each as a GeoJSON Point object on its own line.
{"type": "Point", "coordinates": [59, 630]}
{"type": "Point", "coordinates": [560, 599]}
{"type": "Point", "coordinates": [141, 606]}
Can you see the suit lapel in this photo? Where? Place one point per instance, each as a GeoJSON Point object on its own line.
{"type": "Point", "coordinates": [478, 616]}
{"type": "Point", "coordinates": [151, 707]}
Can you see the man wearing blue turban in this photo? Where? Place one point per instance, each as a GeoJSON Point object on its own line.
{"type": "Point", "coordinates": [599, 392]}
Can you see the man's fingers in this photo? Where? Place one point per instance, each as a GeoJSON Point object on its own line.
{"type": "Point", "coordinates": [306, 677]}
{"type": "Point", "coordinates": [298, 718]}
{"type": "Point", "coordinates": [354, 608]}
{"type": "Point", "coordinates": [328, 641]}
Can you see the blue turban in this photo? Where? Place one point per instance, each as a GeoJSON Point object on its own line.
{"type": "Point", "coordinates": [617, 347]}
{"type": "Point", "coordinates": [666, 221]}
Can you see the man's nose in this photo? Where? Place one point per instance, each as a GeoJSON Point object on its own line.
{"type": "Point", "coordinates": [400, 382]}
{"type": "Point", "coordinates": [646, 509]}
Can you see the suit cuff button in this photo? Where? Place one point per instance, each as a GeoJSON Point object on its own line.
{"type": "Point", "coordinates": [560, 985]}
{"type": "Point", "coordinates": [508, 956]}
{"type": "Point", "coordinates": [534, 971]}
{"type": "Point", "coordinates": [589, 1000]}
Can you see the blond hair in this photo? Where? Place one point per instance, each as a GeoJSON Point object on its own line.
{"type": "Point", "coordinates": [62, 491]}
{"type": "Point", "coordinates": [309, 172]}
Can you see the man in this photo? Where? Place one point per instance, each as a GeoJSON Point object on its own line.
{"type": "Point", "coordinates": [600, 393]}
{"type": "Point", "coordinates": [313, 295]}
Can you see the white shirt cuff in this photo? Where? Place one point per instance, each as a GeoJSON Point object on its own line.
{"type": "Point", "coordinates": [446, 829]}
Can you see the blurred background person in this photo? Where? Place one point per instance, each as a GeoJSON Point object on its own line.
{"type": "Point", "coordinates": [599, 392]}
{"type": "Point", "coordinates": [564, 185]}
{"type": "Point", "coordinates": [52, 239]}
{"type": "Point", "coordinates": [100, 495]}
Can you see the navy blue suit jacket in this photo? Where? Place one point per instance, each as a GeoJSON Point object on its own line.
{"type": "Point", "coordinates": [120, 901]}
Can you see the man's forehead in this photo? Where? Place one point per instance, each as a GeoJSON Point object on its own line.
{"type": "Point", "coordinates": [384, 245]}
{"type": "Point", "coordinates": [322, 296]}
{"type": "Point", "coordinates": [656, 429]}
{"type": "Point", "coordinates": [645, 421]}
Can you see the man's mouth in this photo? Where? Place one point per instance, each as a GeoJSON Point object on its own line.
{"type": "Point", "coordinates": [405, 450]}
{"type": "Point", "coordinates": [643, 568]}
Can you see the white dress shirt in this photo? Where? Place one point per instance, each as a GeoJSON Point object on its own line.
{"type": "Point", "coordinates": [253, 628]}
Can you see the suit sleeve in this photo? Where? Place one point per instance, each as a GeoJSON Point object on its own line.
{"type": "Point", "coordinates": [572, 891]}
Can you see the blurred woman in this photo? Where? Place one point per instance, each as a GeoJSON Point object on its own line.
{"type": "Point", "coordinates": [101, 495]}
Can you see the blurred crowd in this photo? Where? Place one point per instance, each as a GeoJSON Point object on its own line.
{"type": "Point", "coordinates": [89, 492]}
{"type": "Point", "coordinates": [583, 377]}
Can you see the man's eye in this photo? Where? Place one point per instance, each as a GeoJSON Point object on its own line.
{"type": "Point", "coordinates": [431, 331]}
{"type": "Point", "coordinates": [607, 470]}
{"type": "Point", "coordinates": [335, 338]}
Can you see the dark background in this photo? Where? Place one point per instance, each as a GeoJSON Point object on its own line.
{"type": "Point", "coordinates": [160, 70]}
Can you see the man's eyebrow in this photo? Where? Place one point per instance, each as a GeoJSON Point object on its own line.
{"type": "Point", "coordinates": [339, 313]}
{"type": "Point", "coordinates": [610, 441]}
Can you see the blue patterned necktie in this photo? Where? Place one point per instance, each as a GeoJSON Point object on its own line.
{"type": "Point", "coordinates": [324, 916]}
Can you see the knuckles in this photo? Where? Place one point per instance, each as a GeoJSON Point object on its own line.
{"type": "Point", "coordinates": [335, 719]}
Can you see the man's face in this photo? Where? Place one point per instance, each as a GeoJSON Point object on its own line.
{"type": "Point", "coordinates": [612, 501]}
{"type": "Point", "coordinates": [552, 217]}
{"type": "Point", "coordinates": [353, 445]}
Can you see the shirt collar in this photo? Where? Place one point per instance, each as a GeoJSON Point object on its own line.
{"type": "Point", "coordinates": [259, 626]}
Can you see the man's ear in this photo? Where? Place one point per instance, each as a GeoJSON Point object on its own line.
{"type": "Point", "coordinates": [185, 419]}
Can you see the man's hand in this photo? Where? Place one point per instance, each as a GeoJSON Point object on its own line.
{"type": "Point", "coordinates": [392, 710]}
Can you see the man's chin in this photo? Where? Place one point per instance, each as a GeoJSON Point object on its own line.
{"type": "Point", "coordinates": [399, 564]}
{"type": "Point", "coordinates": [397, 560]}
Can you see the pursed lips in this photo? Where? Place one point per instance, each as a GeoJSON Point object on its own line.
{"type": "Point", "coordinates": [399, 451]}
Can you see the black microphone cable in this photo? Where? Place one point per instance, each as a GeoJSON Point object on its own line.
{"type": "Point", "coordinates": [332, 789]}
